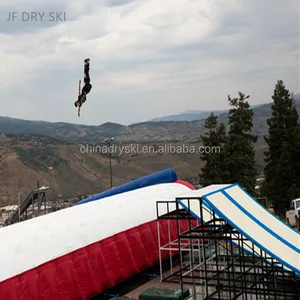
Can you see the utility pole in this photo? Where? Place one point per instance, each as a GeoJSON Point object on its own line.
{"type": "Point", "coordinates": [19, 205]}
{"type": "Point", "coordinates": [109, 142]}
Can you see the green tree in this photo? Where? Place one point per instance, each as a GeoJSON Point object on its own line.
{"type": "Point", "coordinates": [282, 170]}
{"type": "Point", "coordinates": [215, 138]}
{"type": "Point", "coordinates": [240, 151]}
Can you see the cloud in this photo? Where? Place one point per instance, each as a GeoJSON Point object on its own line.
{"type": "Point", "coordinates": [148, 57]}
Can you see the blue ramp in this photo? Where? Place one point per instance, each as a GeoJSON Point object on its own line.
{"type": "Point", "coordinates": [267, 233]}
{"type": "Point", "coordinates": [231, 204]}
{"type": "Point", "coordinates": [165, 176]}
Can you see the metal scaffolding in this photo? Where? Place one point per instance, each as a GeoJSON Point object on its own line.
{"type": "Point", "coordinates": [34, 205]}
{"type": "Point", "coordinates": [217, 262]}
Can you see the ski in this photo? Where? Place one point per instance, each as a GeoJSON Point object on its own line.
{"type": "Point", "coordinates": [79, 91]}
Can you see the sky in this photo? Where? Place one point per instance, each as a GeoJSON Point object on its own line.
{"type": "Point", "coordinates": [149, 58]}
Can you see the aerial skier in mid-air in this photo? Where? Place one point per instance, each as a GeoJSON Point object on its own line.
{"type": "Point", "coordinates": [86, 88]}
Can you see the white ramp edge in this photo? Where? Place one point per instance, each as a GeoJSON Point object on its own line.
{"type": "Point", "coordinates": [263, 217]}
{"type": "Point", "coordinates": [248, 227]}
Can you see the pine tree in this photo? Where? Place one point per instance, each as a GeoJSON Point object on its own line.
{"type": "Point", "coordinates": [240, 150]}
{"type": "Point", "coordinates": [282, 168]}
{"type": "Point", "coordinates": [213, 170]}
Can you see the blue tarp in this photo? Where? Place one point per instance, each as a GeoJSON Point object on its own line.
{"type": "Point", "coordinates": [165, 176]}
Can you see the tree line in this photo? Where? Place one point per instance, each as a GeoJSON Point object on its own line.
{"type": "Point", "coordinates": [236, 162]}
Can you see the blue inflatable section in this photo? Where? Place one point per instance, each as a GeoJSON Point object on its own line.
{"type": "Point", "coordinates": [165, 176]}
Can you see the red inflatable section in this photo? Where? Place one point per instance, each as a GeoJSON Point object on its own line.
{"type": "Point", "coordinates": [187, 184]}
{"type": "Point", "coordinates": [90, 270]}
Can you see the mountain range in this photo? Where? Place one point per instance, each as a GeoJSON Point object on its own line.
{"type": "Point", "coordinates": [193, 115]}
{"type": "Point", "coordinates": [166, 131]}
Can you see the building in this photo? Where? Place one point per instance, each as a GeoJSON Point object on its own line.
{"type": "Point", "coordinates": [258, 185]}
{"type": "Point", "coordinates": [5, 212]}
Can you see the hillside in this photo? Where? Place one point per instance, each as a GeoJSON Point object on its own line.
{"type": "Point", "coordinates": [141, 132]}
{"type": "Point", "coordinates": [191, 115]}
{"type": "Point", "coordinates": [25, 157]}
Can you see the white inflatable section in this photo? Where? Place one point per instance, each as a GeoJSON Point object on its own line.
{"type": "Point", "coordinates": [31, 243]}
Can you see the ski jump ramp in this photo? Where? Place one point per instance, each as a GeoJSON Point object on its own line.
{"type": "Point", "coordinates": [267, 232]}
